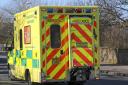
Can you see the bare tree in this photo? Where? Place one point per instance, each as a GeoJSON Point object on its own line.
{"type": "Point", "coordinates": [18, 6]}
{"type": "Point", "coordinates": [112, 17]}
{"type": "Point", "coordinates": [112, 22]}
{"type": "Point", "coordinates": [1, 21]}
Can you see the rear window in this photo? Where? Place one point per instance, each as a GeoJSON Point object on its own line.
{"type": "Point", "coordinates": [55, 36]}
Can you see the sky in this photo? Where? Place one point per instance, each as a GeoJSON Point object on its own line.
{"type": "Point", "coordinates": [50, 2]}
{"type": "Point", "coordinates": [4, 2]}
{"type": "Point", "coordinates": [62, 2]}
{"type": "Point", "coordinates": [11, 4]}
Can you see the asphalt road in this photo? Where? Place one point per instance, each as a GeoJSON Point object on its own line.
{"type": "Point", "coordinates": [105, 80]}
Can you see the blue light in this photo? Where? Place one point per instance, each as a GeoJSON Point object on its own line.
{"type": "Point", "coordinates": [50, 10]}
{"type": "Point", "coordinates": [88, 10]}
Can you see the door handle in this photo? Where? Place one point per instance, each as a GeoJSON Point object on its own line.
{"type": "Point", "coordinates": [61, 52]}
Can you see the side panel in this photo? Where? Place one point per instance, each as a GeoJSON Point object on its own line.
{"type": "Point", "coordinates": [31, 44]}
{"type": "Point", "coordinates": [26, 53]}
{"type": "Point", "coordinates": [55, 56]}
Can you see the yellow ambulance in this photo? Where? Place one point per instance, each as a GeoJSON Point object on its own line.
{"type": "Point", "coordinates": [55, 44]}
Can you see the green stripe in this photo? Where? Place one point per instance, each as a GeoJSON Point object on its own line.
{"type": "Point", "coordinates": [18, 54]}
{"type": "Point", "coordinates": [29, 53]}
{"type": "Point", "coordinates": [23, 62]}
{"type": "Point", "coordinates": [11, 53]}
{"type": "Point", "coordinates": [35, 63]}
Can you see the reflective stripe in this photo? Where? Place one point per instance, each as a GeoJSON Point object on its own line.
{"type": "Point", "coordinates": [83, 57]}
{"type": "Point", "coordinates": [43, 24]}
{"type": "Point", "coordinates": [74, 37]}
{"type": "Point", "coordinates": [54, 66]}
{"type": "Point", "coordinates": [95, 24]}
{"type": "Point", "coordinates": [82, 32]}
{"type": "Point", "coordinates": [76, 62]}
{"type": "Point", "coordinates": [61, 71]}
{"type": "Point", "coordinates": [88, 26]}
{"type": "Point", "coordinates": [54, 69]}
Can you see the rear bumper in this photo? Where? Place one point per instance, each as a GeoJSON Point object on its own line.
{"type": "Point", "coordinates": [80, 74]}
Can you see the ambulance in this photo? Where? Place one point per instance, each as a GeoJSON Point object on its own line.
{"type": "Point", "coordinates": [55, 44]}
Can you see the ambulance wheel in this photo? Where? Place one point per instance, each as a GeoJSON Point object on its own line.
{"type": "Point", "coordinates": [28, 79]}
{"type": "Point", "coordinates": [88, 76]}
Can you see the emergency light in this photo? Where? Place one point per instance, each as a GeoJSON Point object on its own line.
{"type": "Point", "coordinates": [50, 10]}
{"type": "Point", "coordinates": [88, 10]}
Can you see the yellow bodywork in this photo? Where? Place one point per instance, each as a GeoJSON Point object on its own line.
{"type": "Point", "coordinates": [29, 30]}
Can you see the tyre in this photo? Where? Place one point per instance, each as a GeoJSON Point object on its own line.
{"type": "Point", "coordinates": [28, 80]}
{"type": "Point", "coordinates": [88, 76]}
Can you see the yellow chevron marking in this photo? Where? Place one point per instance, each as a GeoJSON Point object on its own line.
{"type": "Point", "coordinates": [79, 35]}
{"type": "Point", "coordinates": [89, 33]}
{"type": "Point", "coordinates": [55, 71]}
{"type": "Point", "coordinates": [79, 59]}
{"type": "Point", "coordinates": [56, 17]}
{"type": "Point", "coordinates": [62, 76]}
{"type": "Point", "coordinates": [90, 58]}
{"type": "Point", "coordinates": [49, 64]}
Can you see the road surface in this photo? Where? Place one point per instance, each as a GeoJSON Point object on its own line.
{"type": "Point", "coordinates": [109, 80]}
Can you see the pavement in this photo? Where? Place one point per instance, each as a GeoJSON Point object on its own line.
{"type": "Point", "coordinates": [114, 70]}
{"type": "Point", "coordinates": [109, 81]}
{"type": "Point", "coordinates": [123, 69]}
